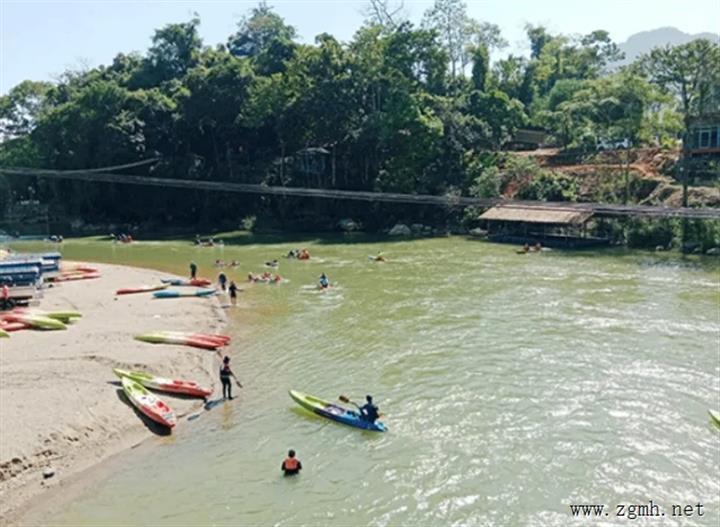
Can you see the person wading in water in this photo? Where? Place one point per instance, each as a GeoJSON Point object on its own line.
{"type": "Point", "coordinates": [291, 465]}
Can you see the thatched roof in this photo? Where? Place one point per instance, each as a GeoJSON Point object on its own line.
{"type": "Point", "coordinates": [532, 214]}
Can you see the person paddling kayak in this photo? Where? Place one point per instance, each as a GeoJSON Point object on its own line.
{"type": "Point", "coordinates": [369, 412]}
{"type": "Point", "coordinates": [291, 465]}
{"type": "Point", "coordinates": [324, 282]}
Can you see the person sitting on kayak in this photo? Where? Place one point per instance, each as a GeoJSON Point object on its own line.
{"type": "Point", "coordinates": [369, 412]}
{"type": "Point", "coordinates": [291, 465]}
{"type": "Point", "coordinates": [324, 282]}
{"type": "Point", "coordinates": [225, 374]}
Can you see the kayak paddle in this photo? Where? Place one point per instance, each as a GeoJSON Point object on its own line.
{"type": "Point", "coordinates": [344, 399]}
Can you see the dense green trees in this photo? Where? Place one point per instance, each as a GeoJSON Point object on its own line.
{"type": "Point", "coordinates": [399, 108]}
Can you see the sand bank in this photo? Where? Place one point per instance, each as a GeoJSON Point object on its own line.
{"type": "Point", "coordinates": [60, 404]}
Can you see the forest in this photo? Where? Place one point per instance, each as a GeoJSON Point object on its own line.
{"type": "Point", "coordinates": [399, 108]}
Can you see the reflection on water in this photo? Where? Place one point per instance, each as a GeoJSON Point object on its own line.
{"type": "Point", "coordinates": [513, 386]}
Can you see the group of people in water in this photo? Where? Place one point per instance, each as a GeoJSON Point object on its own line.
{"type": "Point", "coordinates": [265, 277]}
{"type": "Point", "coordinates": [122, 238]}
{"type": "Point", "coordinates": [221, 263]}
{"type": "Point", "coordinates": [209, 242]}
{"type": "Point", "coordinates": [527, 248]}
{"type": "Point", "coordinates": [299, 254]}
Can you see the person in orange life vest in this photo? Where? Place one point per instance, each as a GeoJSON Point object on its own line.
{"type": "Point", "coordinates": [291, 465]}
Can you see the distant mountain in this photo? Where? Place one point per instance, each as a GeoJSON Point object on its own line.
{"type": "Point", "coordinates": [641, 43]}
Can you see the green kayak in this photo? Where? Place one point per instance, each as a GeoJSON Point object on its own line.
{"type": "Point", "coordinates": [335, 412]}
{"type": "Point", "coordinates": [715, 417]}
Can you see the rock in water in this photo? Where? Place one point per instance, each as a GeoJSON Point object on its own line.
{"type": "Point", "coordinates": [400, 230]}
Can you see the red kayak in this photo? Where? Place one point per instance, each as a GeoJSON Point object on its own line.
{"type": "Point", "coordinates": [76, 276]}
{"type": "Point", "coordinates": [165, 385]}
{"type": "Point", "coordinates": [140, 289]}
{"type": "Point", "coordinates": [148, 403]}
{"type": "Point", "coordinates": [13, 326]}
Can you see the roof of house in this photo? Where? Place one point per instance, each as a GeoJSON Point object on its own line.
{"type": "Point", "coordinates": [536, 214]}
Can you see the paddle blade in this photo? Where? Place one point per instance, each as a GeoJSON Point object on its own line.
{"type": "Point", "coordinates": [344, 399]}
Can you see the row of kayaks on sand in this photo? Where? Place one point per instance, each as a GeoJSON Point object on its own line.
{"type": "Point", "coordinates": [160, 290]}
{"type": "Point", "coordinates": [29, 318]}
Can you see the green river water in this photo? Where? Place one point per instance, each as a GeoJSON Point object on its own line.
{"type": "Point", "coordinates": [514, 386]}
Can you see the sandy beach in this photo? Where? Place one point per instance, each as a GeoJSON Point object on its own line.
{"type": "Point", "coordinates": [60, 403]}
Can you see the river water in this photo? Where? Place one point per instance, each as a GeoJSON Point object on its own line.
{"type": "Point", "coordinates": [513, 386]}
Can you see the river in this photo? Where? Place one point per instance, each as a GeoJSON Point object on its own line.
{"type": "Point", "coordinates": [513, 386]}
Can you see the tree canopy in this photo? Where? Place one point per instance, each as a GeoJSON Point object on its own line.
{"type": "Point", "coordinates": [397, 108]}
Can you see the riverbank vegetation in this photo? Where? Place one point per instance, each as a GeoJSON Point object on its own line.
{"type": "Point", "coordinates": [399, 108]}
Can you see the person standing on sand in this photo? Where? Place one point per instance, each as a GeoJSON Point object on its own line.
{"type": "Point", "coordinates": [291, 465]}
{"type": "Point", "coordinates": [225, 374]}
{"type": "Point", "coordinates": [193, 270]}
{"type": "Point", "coordinates": [222, 279]}
{"type": "Point", "coordinates": [233, 293]}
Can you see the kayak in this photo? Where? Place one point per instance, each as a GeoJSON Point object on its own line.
{"type": "Point", "coordinates": [34, 321]}
{"type": "Point", "coordinates": [13, 326]}
{"type": "Point", "coordinates": [715, 417]}
{"type": "Point", "coordinates": [221, 340]}
{"type": "Point", "coordinates": [196, 282]}
{"type": "Point", "coordinates": [140, 289]}
{"type": "Point", "coordinates": [75, 276]}
{"type": "Point", "coordinates": [62, 316]}
{"type": "Point", "coordinates": [179, 294]}
{"type": "Point", "coordinates": [164, 385]}
{"type": "Point", "coordinates": [183, 340]}
{"type": "Point", "coordinates": [334, 412]}
{"type": "Point", "coordinates": [150, 405]}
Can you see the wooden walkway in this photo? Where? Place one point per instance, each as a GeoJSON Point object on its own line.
{"type": "Point", "coordinates": [106, 175]}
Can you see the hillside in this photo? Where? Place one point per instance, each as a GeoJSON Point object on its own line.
{"type": "Point", "coordinates": [641, 43]}
{"type": "Point", "coordinates": [650, 170]}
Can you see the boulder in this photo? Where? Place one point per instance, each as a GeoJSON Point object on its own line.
{"type": "Point", "coordinates": [348, 225]}
{"type": "Point", "coordinates": [477, 231]}
{"type": "Point", "coordinates": [417, 228]}
{"type": "Point", "coordinates": [400, 229]}
{"type": "Point", "coordinates": [713, 251]}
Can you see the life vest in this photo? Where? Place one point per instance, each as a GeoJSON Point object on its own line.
{"type": "Point", "coordinates": [291, 463]}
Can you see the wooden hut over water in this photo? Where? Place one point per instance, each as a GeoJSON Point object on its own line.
{"type": "Point", "coordinates": [552, 226]}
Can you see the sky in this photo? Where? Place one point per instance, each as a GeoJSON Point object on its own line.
{"type": "Point", "coordinates": [39, 39]}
